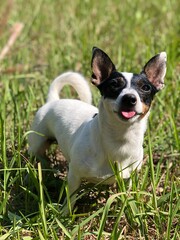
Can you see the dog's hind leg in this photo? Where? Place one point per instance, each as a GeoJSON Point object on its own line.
{"type": "Point", "coordinates": [37, 144]}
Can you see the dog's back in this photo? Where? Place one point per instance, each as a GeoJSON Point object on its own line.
{"type": "Point", "coordinates": [53, 113]}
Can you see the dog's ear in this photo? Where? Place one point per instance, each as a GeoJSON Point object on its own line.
{"type": "Point", "coordinates": [155, 70]}
{"type": "Point", "coordinates": [102, 66]}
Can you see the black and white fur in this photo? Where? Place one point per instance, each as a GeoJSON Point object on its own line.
{"type": "Point", "coordinates": [89, 137]}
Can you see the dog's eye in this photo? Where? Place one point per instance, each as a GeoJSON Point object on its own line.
{"type": "Point", "coordinates": [117, 83]}
{"type": "Point", "coordinates": [146, 88]}
{"type": "Point", "coordinates": [114, 83]}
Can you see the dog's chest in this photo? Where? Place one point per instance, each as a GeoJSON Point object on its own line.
{"type": "Point", "coordinates": [127, 152]}
{"type": "Point", "coordinates": [100, 166]}
{"type": "Point", "coordinates": [121, 146]}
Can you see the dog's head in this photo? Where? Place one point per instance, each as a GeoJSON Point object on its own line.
{"type": "Point", "coordinates": [128, 94]}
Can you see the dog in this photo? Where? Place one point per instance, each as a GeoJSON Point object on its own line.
{"type": "Point", "coordinates": [90, 138]}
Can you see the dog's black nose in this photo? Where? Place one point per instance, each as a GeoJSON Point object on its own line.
{"type": "Point", "coordinates": [129, 100]}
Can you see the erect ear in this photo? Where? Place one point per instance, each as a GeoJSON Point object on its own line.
{"type": "Point", "coordinates": [155, 70]}
{"type": "Point", "coordinates": [102, 66]}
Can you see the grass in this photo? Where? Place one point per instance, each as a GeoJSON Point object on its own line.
{"type": "Point", "coordinates": [58, 37]}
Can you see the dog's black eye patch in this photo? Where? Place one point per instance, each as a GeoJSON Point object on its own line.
{"type": "Point", "coordinates": [116, 83]}
{"type": "Point", "coordinates": [111, 87]}
{"type": "Point", "coordinates": [144, 88]}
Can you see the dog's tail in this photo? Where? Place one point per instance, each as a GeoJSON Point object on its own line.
{"type": "Point", "coordinates": [73, 79]}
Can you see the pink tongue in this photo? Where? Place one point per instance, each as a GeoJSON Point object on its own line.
{"type": "Point", "coordinates": [128, 114]}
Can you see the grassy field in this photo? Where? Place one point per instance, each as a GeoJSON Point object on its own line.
{"type": "Point", "coordinates": [58, 36]}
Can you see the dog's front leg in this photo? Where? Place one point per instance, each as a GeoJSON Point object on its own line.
{"type": "Point", "coordinates": [74, 182]}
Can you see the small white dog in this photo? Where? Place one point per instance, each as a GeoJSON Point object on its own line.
{"type": "Point", "coordinates": [92, 138]}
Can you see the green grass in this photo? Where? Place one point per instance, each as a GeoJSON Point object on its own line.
{"type": "Point", "coordinates": [58, 36]}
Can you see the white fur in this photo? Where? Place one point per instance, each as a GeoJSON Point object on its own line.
{"type": "Point", "coordinates": [88, 143]}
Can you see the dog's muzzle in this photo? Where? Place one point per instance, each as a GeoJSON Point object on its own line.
{"type": "Point", "coordinates": [127, 108]}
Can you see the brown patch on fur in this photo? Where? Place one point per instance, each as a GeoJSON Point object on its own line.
{"type": "Point", "coordinates": [145, 110]}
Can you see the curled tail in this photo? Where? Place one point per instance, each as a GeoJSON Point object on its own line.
{"type": "Point", "coordinates": [73, 79]}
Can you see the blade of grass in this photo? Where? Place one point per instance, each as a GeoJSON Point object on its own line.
{"type": "Point", "coordinates": [41, 201]}
{"type": "Point", "coordinates": [5, 236]}
{"type": "Point", "coordinates": [115, 233]}
{"type": "Point", "coordinates": [152, 174]}
{"type": "Point", "coordinates": [41, 235]}
{"type": "Point", "coordinates": [84, 222]}
{"type": "Point", "coordinates": [172, 212]}
{"type": "Point", "coordinates": [3, 150]}
{"type": "Point", "coordinates": [65, 231]}
{"type": "Point", "coordinates": [131, 210]}
{"type": "Point", "coordinates": [175, 131]}
{"type": "Point", "coordinates": [4, 203]}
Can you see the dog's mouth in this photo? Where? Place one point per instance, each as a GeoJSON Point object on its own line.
{"type": "Point", "coordinates": [128, 114]}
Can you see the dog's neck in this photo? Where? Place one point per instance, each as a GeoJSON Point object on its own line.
{"type": "Point", "coordinates": [117, 130]}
